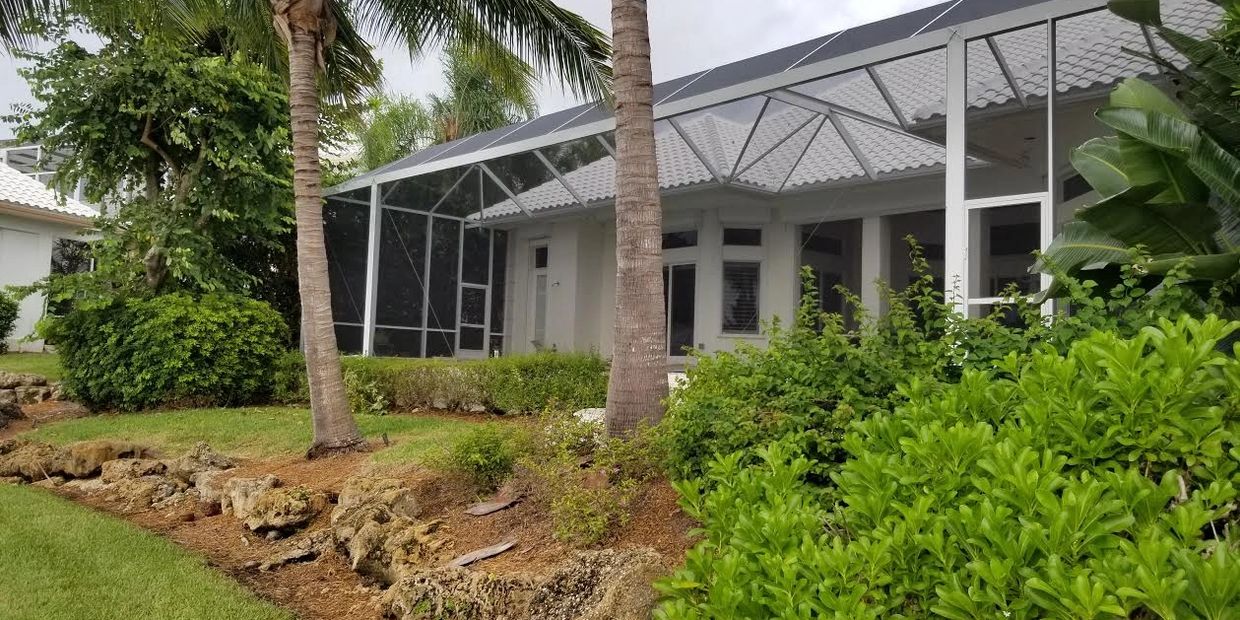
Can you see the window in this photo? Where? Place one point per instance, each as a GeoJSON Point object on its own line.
{"type": "Point", "coordinates": [742, 236]}
{"type": "Point", "coordinates": [540, 257]}
{"type": "Point", "coordinates": [740, 297]}
{"type": "Point", "coordinates": [685, 239]}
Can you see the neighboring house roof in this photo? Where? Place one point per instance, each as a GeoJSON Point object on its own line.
{"type": "Point", "coordinates": [1090, 57]}
{"type": "Point", "coordinates": [24, 195]}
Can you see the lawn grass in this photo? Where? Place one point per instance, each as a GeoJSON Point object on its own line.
{"type": "Point", "coordinates": [64, 561]}
{"type": "Point", "coordinates": [46, 364]}
{"type": "Point", "coordinates": [250, 432]}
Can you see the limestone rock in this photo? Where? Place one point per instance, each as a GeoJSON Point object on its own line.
{"type": "Point", "coordinates": [125, 469]}
{"type": "Point", "coordinates": [302, 549]}
{"type": "Point", "coordinates": [30, 460]}
{"type": "Point", "coordinates": [142, 492]}
{"type": "Point", "coordinates": [388, 492]}
{"type": "Point", "coordinates": [10, 380]}
{"type": "Point", "coordinates": [210, 485]}
{"type": "Point", "coordinates": [32, 394]}
{"type": "Point", "coordinates": [9, 412]}
{"type": "Point", "coordinates": [284, 508]}
{"type": "Point", "coordinates": [199, 459]}
{"type": "Point", "coordinates": [48, 483]}
{"type": "Point", "coordinates": [240, 494]}
{"type": "Point", "coordinates": [451, 593]}
{"type": "Point", "coordinates": [593, 415]}
{"type": "Point", "coordinates": [8, 397]}
{"type": "Point", "coordinates": [600, 585]}
{"type": "Point", "coordinates": [85, 459]}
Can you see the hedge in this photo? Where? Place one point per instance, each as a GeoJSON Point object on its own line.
{"type": "Point", "coordinates": [517, 384]}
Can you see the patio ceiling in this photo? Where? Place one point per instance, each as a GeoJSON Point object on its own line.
{"type": "Point", "coordinates": [867, 122]}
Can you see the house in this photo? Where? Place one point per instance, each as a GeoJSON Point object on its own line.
{"type": "Point", "coordinates": [952, 123]}
{"type": "Point", "coordinates": [40, 233]}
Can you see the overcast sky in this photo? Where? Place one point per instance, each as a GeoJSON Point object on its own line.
{"type": "Point", "coordinates": [686, 36]}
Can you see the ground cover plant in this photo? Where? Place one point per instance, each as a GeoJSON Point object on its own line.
{"type": "Point", "coordinates": [1097, 484]}
{"type": "Point", "coordinates": [44, 364]}
{"type": "Point", "coordinates": [8, 320]}
{"type": "Point", "coordinates": [250, 432]}
{"type": "Point", "coordinates": [63, 562]}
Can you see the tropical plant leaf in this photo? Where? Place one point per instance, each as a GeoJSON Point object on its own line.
{"type": "Point", "coordinates": [1146, 165]}
{"type": "Point", "coordinates": [1219, 170]}
{"type": "Point", "coordinates": [1204, 266]}
{"type": "Point", "coordinates": [1131, 218]}
{"type": "Point", "coordinates": [1139, 94]}
{"type": "Point", "coordinates": [1154, 128]}
{"type": "Point", "coordinates": [1144, 12]}
{"type": "Point", "coordinates": [1081, 245]}
{"type": "Point", "coordinates": [1099, 161]}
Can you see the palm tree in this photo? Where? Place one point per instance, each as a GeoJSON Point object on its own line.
{"type": "Point", "coordinates": [553, 40]}
{"type": "Point", "coordinates": [639, 362]}
{"type": "Point", "coordinates": [480, 96]}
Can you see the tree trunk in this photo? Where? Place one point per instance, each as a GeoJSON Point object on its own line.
{"type": "Point", "coordinates": [334, 427]}
{"type": "Point", "coordinates": [639, 364]}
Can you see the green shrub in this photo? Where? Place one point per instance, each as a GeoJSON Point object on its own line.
{"type": "Point", "coordinates": [816, 375]}
{"type": "Point", "coordinates": [587, 483]}
{"type": "Point", "coordinates": [1100, 484]}
{"type": "Point", "coordinates": [364, 394]}
{"type": "Point", "coordinates": [172, 349]}
{"type": "Point", "coordinates": [8, 320]}
{"type": "Point", "coordinates": [513, 384]}
{"type": "Point", "coordinates": [289, 382]}
{"type": "Point", "coordinates": [484, 455]}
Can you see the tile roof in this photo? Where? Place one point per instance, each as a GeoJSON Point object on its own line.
{"type": "Point", "coordinates": [798, 148]}
{"type": "Point", "coordinates": [24, 191]}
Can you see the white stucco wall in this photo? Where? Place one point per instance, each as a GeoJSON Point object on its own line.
{"type": "Point", "coordinates": [26, 257]}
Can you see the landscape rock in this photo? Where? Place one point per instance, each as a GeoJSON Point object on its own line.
{"type": "Point", "coordinates": [200, 458]}
{"type": "Point", "coordinates": [601, 585]}
{"type": "Point", "coordinates": [240, 494]}
{"type": "Point", "coordinates": [85, 459]}
{"type": "Point", "coordinates": [301, 549]}
{"type": "Point", "coordinates": [451, 593]}
{"type": "Point", "coordinates": [593, 415]}
{"type": "Point", "coordinates": [284, 508]}
{"type": "Point", "coordinates": [391, 493]}
{"type": "Point", "coordinates": [210, 485]}
{"type": "Point", "coordinates": [124, 469]}
{"type": "Point", "coordinates": [140, 493]}
{"type": "Point", "coordinates": [30, 460]}
{"type": "Point", "coordinates": [11, 380]}
{"type": "Point", "coordinates": [9, 412]}
{"type": "Point", "coordinates": [32, 394]}
{"type": "Point", "coordinates": [374, 521]}
{"type": "Point", "coordinates": [49, 483]}
{"type": "Point", "coordinates": [8, 397]}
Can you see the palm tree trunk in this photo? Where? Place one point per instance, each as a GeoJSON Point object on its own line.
{"type": "Point", "coordinates": [639, 363]}
{"type": "Point", "coordinates": [334, 427]}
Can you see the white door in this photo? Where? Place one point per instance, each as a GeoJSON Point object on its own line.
{"type": "Point", "coordinates": [538, 297]}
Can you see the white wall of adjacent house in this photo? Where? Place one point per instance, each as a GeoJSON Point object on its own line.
{"type": "Point", "coordinates": [25, 258]}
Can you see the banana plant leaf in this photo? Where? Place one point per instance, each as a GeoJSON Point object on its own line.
{"type": "Point", "coordinates": [1205, 266]}
{"type": "Point", "coordinates": [1131, 218]}
{"type": "Point", "coordinates": [1144, 12]}
{"type": "Point", "coordinates": [1081, 246]}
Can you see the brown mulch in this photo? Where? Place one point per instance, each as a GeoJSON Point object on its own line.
{"type": "Point", "coordinates": [327, 589]}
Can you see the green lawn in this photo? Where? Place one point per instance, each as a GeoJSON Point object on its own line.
{"type": "Point", "coordinates": [252, 432]}
{"type": "Point", "coordinates": [63, 561]}
{"type": "Point", "coordinates": [46, 364]}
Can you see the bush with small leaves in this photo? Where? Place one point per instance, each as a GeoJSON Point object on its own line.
{"type": "Point", "coordinates": [8, 319]}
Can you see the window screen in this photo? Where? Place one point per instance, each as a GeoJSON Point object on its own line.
{"type": "Point", "coordinates": [742, 236]}
{"type": "Point", "coordinates": [740, 297]}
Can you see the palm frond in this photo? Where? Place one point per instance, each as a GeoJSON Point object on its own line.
{"type": "Point", "coordinates": [556, 42]}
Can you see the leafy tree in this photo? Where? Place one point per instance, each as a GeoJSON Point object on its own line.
{"type": "Point", "coordinates": [196, 142]}
{"type": "Point", "coordinates": [481, 95]}
{"type": "Point", "coordinates": [1170, 177]}
{"type": "Point", "coordinates": [639, 362]}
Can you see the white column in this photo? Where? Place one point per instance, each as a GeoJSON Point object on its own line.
{"type": "Point", "coordinates": [779, 289]}
{"type": "Point", "coordinates": [1052, 186]}
{"type": "Point", "coordinates": [708, 304]}
{"type": "Point", "coordinates": [956, 240]}
{"type": "Point", "coordinates": [372, 272]}
{"type": "Point", "coordinates": [875, 261]}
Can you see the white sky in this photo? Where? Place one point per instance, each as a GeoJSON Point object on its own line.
{"type": "Point", "coordinates": [686, 36]}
